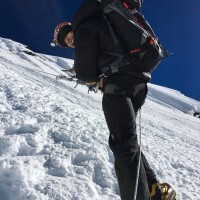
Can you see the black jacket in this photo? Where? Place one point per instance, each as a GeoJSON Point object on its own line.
{"type": "Point", "coordinates": [93, 39]}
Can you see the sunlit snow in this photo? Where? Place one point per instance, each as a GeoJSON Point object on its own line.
{"type": "Point", "coordinates": [53, 137]}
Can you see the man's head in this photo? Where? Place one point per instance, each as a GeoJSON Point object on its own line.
{"type": "Point", "coordinates": [63, 35]}
{"type": "Point", "coordinates": [69, 39]}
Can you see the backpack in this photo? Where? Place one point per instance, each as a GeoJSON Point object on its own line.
{"type": "Point", "coordinates": [144, 51]}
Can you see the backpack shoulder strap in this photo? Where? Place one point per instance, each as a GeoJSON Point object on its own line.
{"type": "Point", "coordinates": [114, 36]}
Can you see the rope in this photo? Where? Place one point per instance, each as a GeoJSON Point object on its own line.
{"type": "Point", "coordinates": [39, 71]}
{"type": "Point", "coordinates": [140, 152]}
{"type": "Point", "coordinates": [57, 76]}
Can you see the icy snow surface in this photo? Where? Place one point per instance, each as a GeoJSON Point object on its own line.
{"type": "Point", "coordinates": [53, 138]}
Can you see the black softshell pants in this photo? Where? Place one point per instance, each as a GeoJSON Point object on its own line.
{"type": "Point", "coordinates": [120, 112]}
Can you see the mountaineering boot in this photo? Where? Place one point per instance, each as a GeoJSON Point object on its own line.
{"type": "Point", "coordinates": [162, 191]}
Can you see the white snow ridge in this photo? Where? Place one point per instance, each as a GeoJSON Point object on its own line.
{"type": "Point", "coordinates": [53, 137]}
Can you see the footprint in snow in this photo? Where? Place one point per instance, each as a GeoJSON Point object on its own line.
{"type": "Point", "coordinates": [23, 129]}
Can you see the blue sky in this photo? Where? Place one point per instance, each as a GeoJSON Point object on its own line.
{"type": "Point", "coordinates": [176, 23]}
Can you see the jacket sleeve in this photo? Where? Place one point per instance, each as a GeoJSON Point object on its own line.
{"type": "Point", "coordinates": [89, 9]}
{"type": "Point", "coordinates": [86, 52]}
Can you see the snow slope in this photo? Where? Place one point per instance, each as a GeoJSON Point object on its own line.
{"type": "Point", "coordinates": [53, 138]}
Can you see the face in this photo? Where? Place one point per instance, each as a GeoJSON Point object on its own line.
{"type": "Point", "coordinates": [69, 39]}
